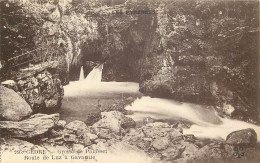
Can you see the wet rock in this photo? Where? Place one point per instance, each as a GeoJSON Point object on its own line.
{"type": "Point", "coordinates": [159, 129]}
{"type": "Point", "coordinates": [99, 140]}
{"type": "Point", "coordinates": [118, 105]}
{"type": "Point", "coordinates": [137, 137]}
{"type": "Point", "coordinates": [77, 127]}
{"type": "Point", "coordinates": [160, 143]}
{"type": "Point", "coordinates": [78, 132]}
{"type": "Point", "coordinates": [54, 133]}
{"type": "Point", "coordinates": [69, 137]}
{"type": "Point", "coordinates": [92, 137]}
{"type": "Point", "coordinates": [189, 138]}
{"type": "Point", "coordinates": [51, 103]}
{"type": "Point", "coordinates": [189, 149]}
{"type": "Point", "coordinates": [93, 118]}
{"type": "Point", "coordinates": [60, 124]}
{"type": "Point", "coordinates": [12, 106]}
{"type": "Point", "coordinates": [158, 139]}
{"type": "Point", "coordinates": [59, 142]}
{"type": "Point", "coordinates": [36, 125]}
{"type": "Point", "coordinates": [228, 109]}
{"type": "Point", "coordinates": [246, 137]}
{"type": "Point", "coordinates": [128, 123]}
{"type": "Point", "coordinates": [148, 120]}
{"type": "Point", "coordinates": [215, 151]}
{"type": "Point", "coordinates": [181, 124]}
{"type": "Point", "coordinates": [104, 133]}
{"type": "Point", "coordinates": [113, 120]}
{"type": "Point", "coordinates": [85, 140]}
{"type": "Point", "coordinates": [172, 153]}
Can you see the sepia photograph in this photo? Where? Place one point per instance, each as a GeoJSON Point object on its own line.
{"type": "Point", "coordinates": [129, 81]}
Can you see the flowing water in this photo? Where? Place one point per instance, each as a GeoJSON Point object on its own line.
{"type": "Point", "coordinates": [206, 122]}
{"type": "Point", "coordinates": [94, 77]}
{"type": "Point", "coordinates": [81, 76]}
{"type": "Point", "coordinates": [82, 98]}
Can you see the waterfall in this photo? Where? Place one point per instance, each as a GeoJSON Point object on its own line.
{"type": "Point", "coordinates": [95, 75]}
{"type": "Point", "coordinates": [81, 76]}
{"type": "Point", "coordinates": [205, 122]}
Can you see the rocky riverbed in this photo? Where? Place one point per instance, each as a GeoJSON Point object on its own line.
{"type": "Point", "coordinates": [162, 142]}
{"type": "Point", "coordinates": [113, 132]}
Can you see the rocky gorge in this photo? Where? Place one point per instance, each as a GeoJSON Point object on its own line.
{"type": "Point", "coordinates": [187, 55]}
{"type": "Point", "coordinates": [162, 142]}
{"type": "Point", "coordinates": [112, 132]}
{"type": "Point", "coordinates": [203, 52]}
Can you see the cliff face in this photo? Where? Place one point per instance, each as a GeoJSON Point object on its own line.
{"type": "Point", "coordinates": [30, 31]}
{"type": "Point", "coordinates": [204, 55]}
{"type": "Point", "coordinates": [192, 51]}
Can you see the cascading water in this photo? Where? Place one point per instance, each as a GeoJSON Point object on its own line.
{"type": "Point", "coordinates": [81, 98]}
{"type": "Point", "coordinates": [206, 122]}
{"type": "Point", "coordinates": [81, 76]}
{"type": "Point", "coordinates": [95, 75]}
{"type": "Point", "coordinates": [92, 85]}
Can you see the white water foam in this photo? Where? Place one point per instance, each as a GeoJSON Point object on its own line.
{"type": "Point", "coordinates": [207, 124]}
{"type": "Point", "coordinates": [92, 85]}
{"type": "Point", "coordinates": [95, 75]}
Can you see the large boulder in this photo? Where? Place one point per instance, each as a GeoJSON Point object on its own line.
{"type": "Point", "coordinates": [114, 120]}
{"type": "Point", "coordinates": [246, 137]}
{"type": "Point", "coordinates": [43, 92]}
{"type": "Point", "coordinates": [36, 125]}
{"type": "Point", "coordinates": [13, 107]}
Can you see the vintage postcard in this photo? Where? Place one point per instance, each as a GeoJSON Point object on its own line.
{"type": "Point", "coordinates": [129, 81]}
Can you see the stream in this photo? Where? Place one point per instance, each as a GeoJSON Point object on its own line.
{"type": "Point", "coordinates": [82, 98]}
